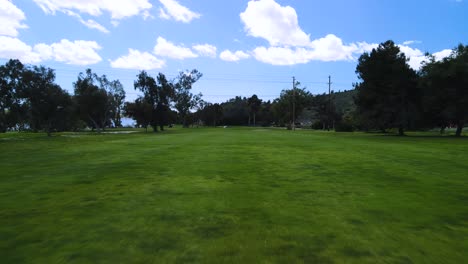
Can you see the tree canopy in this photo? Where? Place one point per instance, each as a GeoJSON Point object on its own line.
{"type": "Point", "coordinates": [387, 94]}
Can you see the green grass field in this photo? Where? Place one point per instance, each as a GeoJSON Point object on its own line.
{"type": "Point", "coordinates": [235, 195]}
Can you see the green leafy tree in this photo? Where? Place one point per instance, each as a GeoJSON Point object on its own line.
{"type": "Point", "coordinates": [211, 114]}
{"type": "Point", "coordinates": [11, 84]}
{"type": "Point", "coordinates": [446, 89]}
{"type": "Point", "coordinates": [283, 106]}
{"type": "Point", "coordinates": [95, 105]}
{"type": "Point", "coordinates": [157, 93]}
{"type": "Point", "coordinates": [325, 111]}
{"type": "Point", "coordinates": [116, 90]}
{"type": "Point", "coordinates": [235, 111]}
{"type": "Point", "coordinates": [184, 100]}
{"type": "Point", "coordinates": [254, 104]}
{"type": "Point", "coordinates": [50, 107]}
{"type": "Point", "coordinates": [141, 111]}
{"type": "Point", "coordinates": [387, 96]}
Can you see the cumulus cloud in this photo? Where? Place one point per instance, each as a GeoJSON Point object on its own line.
{"type": "Point", "coordinates": [168, 49]}
{"type": "Point", "coordinates": [277, 24]}
{"type": "Point", "coordinates": [228, 55]}
{"type": "Point", "coordinates": [77, 52]}
{"type": "Point", "coordinates": [417, 57]}
{"type": "Point", "coordinates": [11, 18]}
{"type": "Point", "coordinates": [205, 50]}
{"type": "Point", "coordinates": [331, 48]}
{"type": "Point", "coordinates": [290, 45]}
{"type": "Point", "coordinates": [328, 48]}
{"type": "Point", "coordinates": [171, 9]}
{"type": "Point", "coordinates": [138, 60]}
{"type": "Point", "coordinates": [282, 56]}
{"type": "Point", "coordinates": [13, 48]}
{"type": "Point", "coordinates": [442, 54]}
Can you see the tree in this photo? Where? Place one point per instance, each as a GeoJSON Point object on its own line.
{"type": "Point", "coordinates": [445, 86]}
{"type": "Point", "coordinates": [235, 111]}
{"type": "Point", "coordinates": [325, 112]}
{"type": "Point", "coordinates": [265, 114]}
{"type": "Point", "coordinates": [211, 114]}
{"type": "Point", "coordinates": [11, 108]}
{"type": "Point", "coordinates": [117, 91]}
{"type": "Point", "coordinates": [387, 96]}
{"type": "Point", "coordinates": [157, 93]}
{"type": "Point", "coordinates": [50, 107]}
{"type": "Point", "coordinates": [95, 104]}
{"type": "Point", "coordinates": [283, 106]}
{"type": "Point", "coordinates": [254, 106]}
{"type": "Point", "coordinates": [141, 111]}
{"type": "Point", "coordinates": [184, 100]}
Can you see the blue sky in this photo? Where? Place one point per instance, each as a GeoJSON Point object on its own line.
{"type": "Point", "coordinates": [241, 47]}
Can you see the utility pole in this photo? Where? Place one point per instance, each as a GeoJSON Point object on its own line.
{"type": "Point", "coordinates": [294, 104]}
{"type": "Point", "coordinates": [329, 102]}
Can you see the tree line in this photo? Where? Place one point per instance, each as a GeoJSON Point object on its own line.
{"type": "Point", "coordinates": [389, 95]}
{"type": "Point", "coordinates": [31, 100]}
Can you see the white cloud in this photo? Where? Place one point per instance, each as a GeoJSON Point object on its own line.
{"type": "Point", "coordinates": [331, 48]}
{"type": "Point", "coordinates": [205, 50]}
{"type": "Point", "coordinates": [13, 48]}
{"type": "Point", "coordinates": [173, 10]}
{"type": "Point", "coordinates": [282, 56]}
{"type": "Point", "coordinates": [328, 48]}
{"type": "Point", "coordinates": [88, 23]}
{"type": "Point", "coordinates": [411, 42]}
{"type": "Point", "coordinates": [78, 52]}
{"type": "Point", "coordinates": [442, 54]}
{"type": "Point", "coordinates": [94, 25]}
{"type": "Point", "coordinates": [365, 47]}
{"type": "Point", "coordinates": [11, 18]}
{"type": "Point", "coordinates": [228, 55]}
{"type": "Point", "coordinates": [168, 49]}
{"type": "Point", "coordinates": [289, 44]}
{"type": "Point", "coordinates": [138, 60]}
{"type": "Point", "coordinates": [147, 15]}
{"type": "Point", "coordinates": [117, 10]}
{"type": "Point", "coordinates": [275, 23]}
{"type": "Point", "coordinates": [417, 57]}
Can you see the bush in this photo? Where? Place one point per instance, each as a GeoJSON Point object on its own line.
{"type": "Point", "coordinates": [317, 125]}
{"type": "Point", "coordinates": [344, 127]}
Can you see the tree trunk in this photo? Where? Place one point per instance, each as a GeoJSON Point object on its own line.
{"type": "Point", "coordinates": [161, 127]}
{"type": "Point", "coordinates": [442, 130]}
{"type": "Point", "coordinates": [249, 119]}
{"type": "Point", "coordinates": [401, 131]}
{"type": "Point", "coordinates": [95, 124]}
{"type": "Point", "coordinates": [184, 121]}
{"type": "Point", "coordinates": [255, 123]}
{"type": "Point", "coordinates": [459, 128]}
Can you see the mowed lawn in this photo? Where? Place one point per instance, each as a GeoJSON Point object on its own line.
{"type": "Point", "coordinates": [235, 195]}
